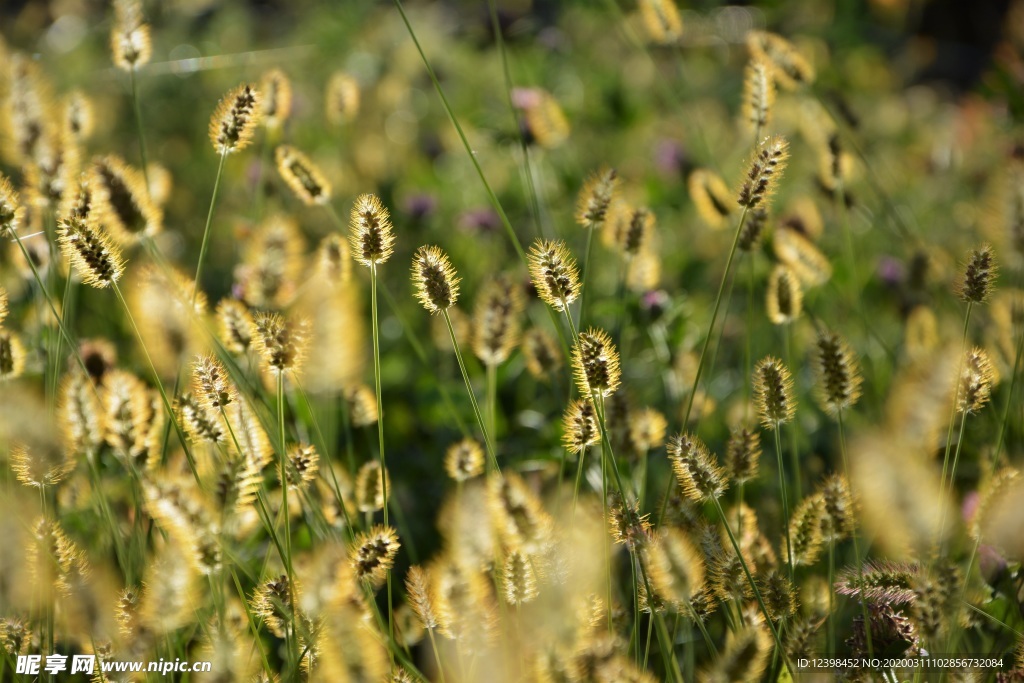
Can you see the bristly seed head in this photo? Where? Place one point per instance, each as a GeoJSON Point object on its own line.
{"type": "Point", "coordinates": [370, 232]}
{"type": "Point", "coordinates": [12, 356]}
{"type": "Point", "coordinates": [840, 516]}
{"type": "Point", "coordinates": [235, 119]}
{"type": "Point", "coordinates": [753, 228]}
{"type": "Point", "coordinates": [10, 209]}
{"type": "Point", "coordinates": [773, 392]}
{"type": "Point", "coordinates": [496, 320]}
{"type": "Point", "coordinates": [711, 197]}
{"type": "Point", "coordinates": [763, 174]}
{"type": "Point", "coordinates": [784, 298]}
{"type": "Point", "coordinates": [277, 98]}
{"type": "Point", "coordinates": [437, 285]}
{"type": "Point", "coordinates": [373, 554]}
{"type": "Point", "coordinates": [541, 353]}
{"type": "Point", "coordinates": [979, 276]}
{"type": "Point", "coordinates": [758, 93]}
{"type": "Point", "coordinates": [595, 198]}
{"type": "Point", "coordinates": [302, 176]}
{"type": "Point", "coordinates": [303, 465]}
{"type": "Point", "coordinates": [235, 325]}
{"type": "Point", "coordinates": [94, 256]}
{"type": "Point", "coordinates": [554, 273]}
{"type": "Point", "coordinates": [839, 377]}
{"type": "Point", "coordinates": [129, 38]}
{"type": "Point", "coordinates": [280, 343]}
{"type": "Point", "coordinates": [699, 476]}
{"type": "Point", "coordinates": [742, 455]}
{"type": "Point", "coordinates": [662, 21]}
{"type": "Point", "coordinates": [789, 68]}
{"type": "Point", "coordinates": [519, 578]}
{"type": "Point", "coordinates": [464, 460]}
{"type": "Point", "coordinates": [211, 384]}
{"type": "Point", "coordinates": [977, 376]}
{"type": "Point", "coordinates": [579, 426]}
{"type": "Point", "coordinates": [596, 362]}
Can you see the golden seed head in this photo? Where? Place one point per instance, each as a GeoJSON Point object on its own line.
{"type": "Point", "coordinates": [839, 519]}
{"type": "Point", "coordinates": [11, 212]}
{"type": "Point", "coordinates": [596, 363]}
{"type": "Point", "coordinates": [272, 602]}
{"type": "Point", "coordinates": [647, 429]}
{"type": "Point", "coordinates": [790, 69]}
{"type": "Point", "coordinates": [341, 101]}
{"type": "Point", "coordinates": [698, 474]}
{"type": "Point", "coordinates": [546, 120]}
{"type": "Point", "coordinates": [369, 492]}
{"type": "Point", "coordinates": [370, 233]}
{"type": "Point", "coordinates": [978, 279]}
{"type": "Point", "coordinates": [361, 402]}
{"type": "Point", "coordinates": [518, 578]}
{"type": "Point", "coordinates": [435, 280]}
{"type": "Point", "coordinates": [784, 299]}
{"type": "Point", "coordinates": [711, 197]}
{"type": "Point", "coordinates": [517, 514]}
{"type": "Point", "coordinates": [579, 426]}
{"type": "Point", "coordinates": [758, 93]}
{"type": "Point", "coordinates": [277, 98]}
{"type": "Point", "coordinates": [235, 119]}
{"type": "Point", "coordinates": [120, 200]}
{"type": "Point", "coordinates": [280, 343]}
{"type": "Point", "coordinates": [778, 594]}
{"type": "Point", "coordinates": [419, 589]}
{"type": "Point", "coordinates": [303, 465]}
{"type": "Point", "coordinates": [764, 172]}
{"type": "Point", "coordinates": [977, 376]}
{"type": "Point", "coordinates": [38, 470]}
{"type": "Point", "coordinates": [335, 259]}
{"type": "Point", "coordinates": [12, 355]}
{"type": "Point", "coordinates": [805, 530]}
{"type": "Point", "coordinates": [464, 460]}
{"type": "Point", "coordinates": [78, 118]}
{"type": "Point", "coordinates": [541, 353]}
{"type": "Point", "coordinates": [799, 253]}
{"type": "Point", "coordinates": [638, 232]}
{"type": "Point", "coordinates": [753, 229]}
{"type": "Point", "coordinates": [744, 659]}
{"type": "Point", "coordinates": [496, 320]}
{"type": "Point", "coordinates": [742, 455]}
{"type": "Point", "coordinates": [302, 176]}
{"type": "Point", "coordinates": [838, 371]}
{"type": "Point", "coordinates": [129, 38]}
{"type": "Point", "coordinates": [662, 21]}
{"type": "Point", "coordinates": [211, 384]}
{"type": "Point", "coordinates": [595, 198]}
{"type": "Point", "coordinates": [198, 422]}
{"type": "Point", "coordinates": [89, 249]}
{"type": "Point", "coordinates": [773, 392]}
{"type": "Point", "coordinates": [373, 554]}
{"type": "Point", "coordinates": [554, 273]}
{"type": "Point", "coordinates": [81, 414]}
{"type": "Point", "coordinates": [235, 324]}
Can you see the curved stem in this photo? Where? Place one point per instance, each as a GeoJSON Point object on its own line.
{"type": "Point", "coordinates": [472, 395]}
{"type": "Point", "coordinates": [206, 230]}
{"type": "Point", "coordinates": [785, 500]}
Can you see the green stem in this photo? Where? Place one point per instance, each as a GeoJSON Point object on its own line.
{"type": "Point", "coordinates": [856, 546]}
{"type": "Point", "coordinates": [794, 455]}
{"type": "Point", "coordinates": [492, 399]}
{"type": "Point", "coordinates": [785, 501]}
{"type": "Point", "coordinates": [294, 640]}
{"type": "Point", "coordinates": [209, 221]}
{"type": "Point", "coordinates": [472, 395]}
{"type": "Point", "coordinates": [956, 396]}
{"type": "Point", "coordinates": [586, 274]}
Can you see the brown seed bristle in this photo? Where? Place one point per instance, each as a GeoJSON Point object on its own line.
{"type": "Point", "coordinates": [627, 526]}
{"type": "Point", "coordinates": [129, 38]}
{"type": "Point", "coordinates": [839, 378]}
{"type": "Point", "coordinates": [235, 323]}
{"type": "Point", "coordinates": [784, 299]}
{"type": "Point", "coordinates": [272, 602]}
{"type": "Point", "coordinates": [277, 98]}
{"type": "Point", "coordinates": [235, 119]}
{"type": "Point", "coordinates": [95, 258]}
{"type": "Point", "coordinates": [979, 276]}
{"type": "Point", "coordinates": [369, 492]}
{"type": "Point", "coordinates": [280, 343]}
{"type": "Point", "coordinates": [341, 101]}
{"type": "Point", "coordinates": [711, 196]}
{"type": "Point", "coordinates": [518, 578]}
{"type": "Point", "coordinates": [373, 554]}
{"type": "Point", "coordinates": [198, 423]}
{"type": "Point", "coordinates": [753, 228]}
{"type": "Point", "coordinates": [361, 402]}
{"type": "Point", "coordinates": [595, 197]}
{"type": "Point", "coordinates": [36, 469]}
{"type": "Point", "coordinates": [517, 514]}
{"type": "Point", "coordinates": [579, 426]}
{"type": "Point", "coordinates": [778, 594]}
{"type": "Point", "coordinates": [464, 460]}
{"type": "Point", "coordinates": [11, 211]}
{"type": "Point", "coordinates": [302, 176]}
{"type": "Point", "coordinates": [662, 21]}
{"type": "Point", "coordinates": [541, 354]}
{"type": "Point", "coordinates": [789, 68]}
{"type": "Point", "coordinates": [698, 474]}
{"type": "Point", "coordinates": [496, 320]}
{"type": "Point", "coordinates": [303, 465]}
{"type": "Point", "coordinates": [421, 598]}
{"type": "Point", "coordinates": [764, 172]}
{"type": "Point", "coordinates": [773, 392]}
{"type": "Point", "coordinates": [554, 273]}
{"type": "Point", "coordinates": [80, 413]}
{"type": "Point", "coordinates": [742, 455]}
{"type": "Point", "coordinates": [647, 429]}
{"type": "Point", "coordinates": [758, 93]}
{"type": "Point", "coordinates": [638, 232]}
{"type": "Point", "coordinates": [977, 376]}
{"type": "Point", "coordinates": [435, 280]}
{"type": "Point", "coordinates": [211, 383]}
{"type": "Point", "coordinates": [370, 233]}
{"type": "Point", "coordinates": [596, 363]}
{"type": "Point", "coordinates": [805, 531]}
{"type": "Point", "coordinates": [121, 200]}
{"type": "Point", "coordinates": [12, 356]}
{"type": "Point", "coordinates": [840, 515]}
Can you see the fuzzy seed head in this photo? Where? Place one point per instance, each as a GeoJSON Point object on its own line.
{"type": "Point", "coordinates": [838, 371]}
{"type": "Point", "coordinates": [979, 276]}
{"type": "Point", "coordinates": [545, 120]}
{"type": "Point", "coordinates": [91, 252]}
{"type": "Point", "coordinates": [758, 93]}
{"type": "Point", "coordinates": [235, 119]}
{"type": "Point", "coordinates": [637, 233]}
{"type": "Point", "coordinates": [595, 198]}
{"type": "Point", "coordinates": [370, 233]}
{"type": "Point", "coordinates": [798, 252]}
{"type": "Point", "coordinates": [272, 602]}
{"type": "Point", "coordinates": [764, 172]}
{"type": "Point", "coordinates": [790, 69]}
{"type": "Point", "coordinates": [419, 588]}
{"type": "Point", "coordinates": [977, 376]}
{"type": "Point", "coordinates": [277, 98]}
{"type": "Point", "coordinates": [646, 429]}
{"type": "Point", "coordinates": [711, 197]}
{"type": "Point", "coordinates": [541, 352]}
{"type": "Point", "coordinates": [81, 414]}
{"type": "Point", "coordinates": [129, 38]}
{"type": "Point", "coordinates": [280, 343]}
{"type": "Point", "coordinates": [303, 465]}
{"type": "Point", "coordinates": [579, 426]}
{"type": "Point", "coordinates": [596, 363]}
{"type": "Point", "coordinates": [742, 455]}
{"type": "Point", "coordinates": [341, 101]}
{"type": "Point", "coordinates": [627, 526]}
{"type": "Point", "coordinates": [554, 273]}
{"type": "Point", "coordinates": [464, 460]}
{"type": "Point", "coordinates": [773, 392]}
{"type": "Point", "coordinates": [435, 280]}
{"type": "Point", "coordinates": [698, 474]}
{"type": "Point", "coordinates": [335, 260]}
{"type": "Point", "coordinates": [211, 384]}
{"type": "Point", "coordinates": [784, 299]}
{"type": "Point", "coordinates": [12, 356]}
{"type": "Point", "coordinates": [11, 212]}
{"type": "Point", "coordinates": [361, 402]}
{"type": "Point", "coordinates": [753, 229]}
{"type": "Point", "coordinates": [496, 320]}
{"type": "Point", "coordinates": [662, 21]}
{"type": "Point", "coordinates": [805, 531]}
{"type": "Point", "coordinates": [373, 554]}
{"type": "Point", "coordinates": [517, 514]}
{"type": "Point", "coordinates": [36, 469]}
{"type": "Point", "coordinates": [302, 176]}
{"type": "Point", "coordinates": [778, 594]}
{"type": "Point", "coordinates": [744, 659]}
{"type": "Point", "coordinates": [198, 422]}
{"type": "Point", "coordinates": [518, 578]}
{"type": "Point", "coordinates": [369, 492]}
{"type": "Point", "coordinates": [676, 566]}
{"type": "Point", "coordinates": [235, 324]}
{"type": "Point", "coordinates": [840, 515]}
{"type": "Point", "coordinates": [116, 194]}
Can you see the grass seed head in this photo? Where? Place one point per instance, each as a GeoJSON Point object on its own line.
{"type": "Point", "coordinates": [464, 460]}
{"type": "Point", "coordinates": [662, 21]}
{"type": "Point", "coordinates": [675, 565]}
{"type": "Point", "coordinates": [764, 172]}
{"type": "Point", "coordinates": [120, 201]}
{"type": "Point", "coordinates": [784, 299]}
{"type": "Point", "coordinates": [280, 343]}
{"type": "Point", "coordinates": [579, 426]}
{"type": "Point", "coordinates": [518, 578]}
{"type": "Point", "coordinates": [646, 429]}
{"type": "Point", "coordinates": [595, 198]}
{"type": "Point", "coordinates": [541, 353]}
{"type": "Point", "coordinates": [235, 324]}
{"type": "Point", "coordinates": [977, 376]}
{"type": "Point", "coordinates": [839, 378]}
{"type": "Point", "coordinates": [742, 455]}
{"type": "Point", "coordinates": [12, 356]}
{"type": "Point", "coordinates": [92, 253]}
{"type": "Point", "coordinates": [773, 392]}
{"type": "Point", "coordinates": [435, 280]}
{"type": "Point", "coordinates": [303, 176]}
{"type": "Point", "coordinates": [277, 98]}
{"type": "Point", "coordinates": [211, 383]}
{"type": "Point", "coordinates": [554, 273]}
{"type": "Point", "coordinates": [978, 279]}
{"type": "Point", "coordinates": [370, 233]}
{"type": "Point", "coordinates": [496, 320]}
{"type": "Point", "coordinates": [11, 211]}
{"type": "Point", "coordinates": [758, 93]}
{"type": "Point", "coordinates": [235, 119]}
{"type": "Point", "coordinates": [596, 363]}
{"type": "Point", "coordinates": [341, 101]}
{"type": "Point", "coordinates": [361, 402]}
{"type": "Point", "coordinates": [790, 69]}
{"type": "Point", "coordinates": [129, 38]}
{"type": "Point", "coordinates": [369, 492]}
{"type": "Point", "coordinates": [711, 196]}
{"type": "Point", "coordinates": [698, 474]}
{"type": "Point", "coordinates": [373, 554]}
